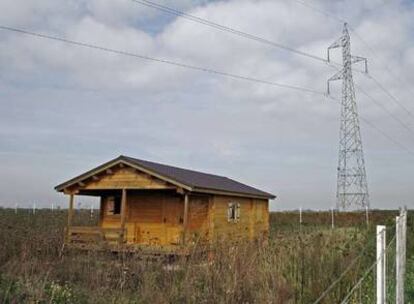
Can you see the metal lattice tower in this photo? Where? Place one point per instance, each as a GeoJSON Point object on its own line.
{"type": "Point", "coordinates": [352, 186]}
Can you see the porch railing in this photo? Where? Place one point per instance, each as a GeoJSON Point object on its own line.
{"type": "Point", "coordinates": [83, 236]}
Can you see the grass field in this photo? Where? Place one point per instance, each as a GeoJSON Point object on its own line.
{"type": "Point", "coordinates": [296, 265]}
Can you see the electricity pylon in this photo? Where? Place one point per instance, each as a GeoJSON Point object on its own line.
{"type": "Point", "coordinates": [352, 186]}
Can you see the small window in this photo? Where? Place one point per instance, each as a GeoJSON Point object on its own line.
{"type": "Point", "coordinates": [233, 212]}
{"type": "Point", "coordinates": [114, 205]}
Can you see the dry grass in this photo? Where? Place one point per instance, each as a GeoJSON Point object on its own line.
{"type": "Point", "coordinates": [294, 267]}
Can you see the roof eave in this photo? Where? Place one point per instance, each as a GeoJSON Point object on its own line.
{"type": "Point", "coordinates": [121, 159]}
{"type": "Point", "coordinates": [74, 180]}
{"type": "Point", "coordinates": [125, 160]}
{"type": "Point", "coordinates": [233, 193]}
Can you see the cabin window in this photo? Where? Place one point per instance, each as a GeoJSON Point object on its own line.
{"type": "Point", "coordinates": [233, 212]}
{"type": "Point", "coordinates": [113, 205]}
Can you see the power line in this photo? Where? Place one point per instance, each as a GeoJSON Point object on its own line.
{"type": "Point", "coordinates": [388, 93]}
{"type": "Point", "coordinates": [380, 6]}
{"type": "Point", "coordinates": [389, 70]}
{"type": "Point", "coordinates": [390, 138]}
{"type": "Point", "coordinates": [354, 31]}
{"type": "Point", "coordinates": [170, 62]}
{"type": "Point", "coordinates": [217, 26]}
{"type": "Point", "coordinates": [321, 11]}
{"type": "Point", "coordinates": [391, 114]}
{"type": "Point", "coordinates": [182, 65]}
{"type": "Point", "coordinates": [379, 84]}
{"type": "Point", "coordinates": [382, 87]}
{"type": "Point", "coordinates": [373, 126]}
{"type": "Point", "coordinates": [182, 14]}
{"type": "Point", "coordinates": [209, 23]}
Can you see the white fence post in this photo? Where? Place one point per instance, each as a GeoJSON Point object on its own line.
{"type": "Point", "coordinates": [91, 211]}
{"type": "Point", "coordinates": [404, 239]}
{"type": "Point", "coordinates": [399, 298]}
{"type": "Point", "coordinates": [333, 218]}
{"type": "Point", "coordinates": [300, 217]}
{"type": "Point", "coordinates": [381, 265]}
{"type": "Point", "coordinates": [401, 234]}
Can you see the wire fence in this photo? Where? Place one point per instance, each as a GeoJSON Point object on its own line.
{"type": "Point", "coordinates": [357, 293]}
{"type": "Point", "coordinates": [385, 268]}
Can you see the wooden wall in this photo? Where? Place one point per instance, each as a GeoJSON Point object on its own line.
{"type": "Point", "coordinates": [199, 218]}
{"type": "Point", "coordinates": [156, 218]}
{"type": "Point", "coordinates": [154, 212]}
{"type": "Point", "coordinates": [252, 223]}
{"type": "Point", "coordinates": [125, 178]}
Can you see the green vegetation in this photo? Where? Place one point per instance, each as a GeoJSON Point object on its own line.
{"type": "Point", "coordinates": [295, 266]}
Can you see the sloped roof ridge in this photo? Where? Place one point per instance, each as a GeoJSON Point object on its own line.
{"type": "Point", "coordinates": [174, 167]}
{"type": "Point", "coordinates": [191, 178]}
{"type": "Point", "coordinates": [198, 179]}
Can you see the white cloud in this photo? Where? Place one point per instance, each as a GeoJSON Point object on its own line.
{"type": "Point", "coordinates": [82, 106]}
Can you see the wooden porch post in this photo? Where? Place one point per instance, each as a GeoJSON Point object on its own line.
{"type": "Point", "coordinates": [70, 216]}
{"type": "Point", "coordinates": [185, 220]}
{"type": "Point", "coordinates": [123, 213]}
{"type": "Point", "coordinates": [101, 211]}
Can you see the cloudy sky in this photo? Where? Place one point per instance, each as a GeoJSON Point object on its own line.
{"type": "Point", "coordinates": [65, 109]}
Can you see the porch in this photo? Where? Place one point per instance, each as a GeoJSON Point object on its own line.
{"type": "Point", "coordinates": [132, 220]}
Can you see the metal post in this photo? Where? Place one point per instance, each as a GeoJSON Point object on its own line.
{"type": "Point", "coordinates": [333, 218]}
{"type": "Point", "coordinates": [300, 216]}
{"type": "Point", "coordinates": [399, 289]}
{"type": "Point", "coordinates": [404, 238]}
{"type": "Point", "coordinates": [34, 208]}
{"type": "Point", "coordinates": [352, 185]}
{"type": "Point", "coordinates": [381, 265]}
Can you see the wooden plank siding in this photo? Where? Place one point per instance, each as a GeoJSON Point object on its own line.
{"type": "Point", "coordinates": [126, 178]}
{"type": "Point", "coordinates": [253, 222]}
{"type": "Point", "coordinates": [199, 219]}
{"type": "Point", "coordinates": [154, 210]}
{"type": "Point", "coordinates": [156, 218]}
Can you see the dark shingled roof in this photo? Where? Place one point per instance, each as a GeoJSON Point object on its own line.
{"type": "Point", "coordinates": [194, 179]}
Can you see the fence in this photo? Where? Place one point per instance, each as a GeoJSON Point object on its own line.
{"type": "Point", "coordinates": [387, 272]}
{"type": "Point", "coordinates": [34, 209]}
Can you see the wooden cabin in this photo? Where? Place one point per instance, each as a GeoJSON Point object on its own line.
{"type": "Point", "coordinates": [150, 205]}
